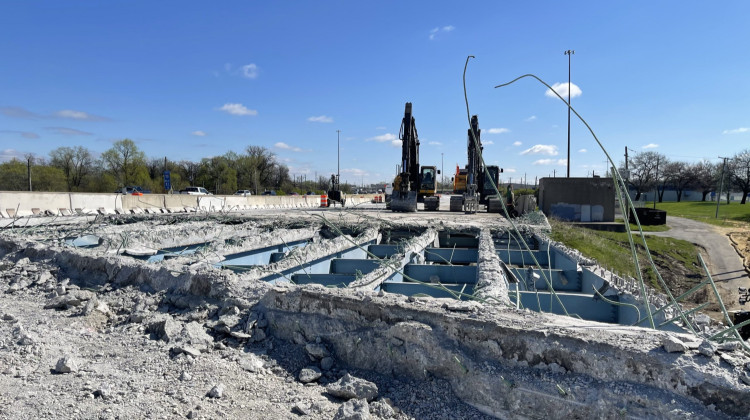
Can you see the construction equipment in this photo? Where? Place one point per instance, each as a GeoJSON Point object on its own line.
{"type": "Point", "coordinates": [334, 192]}
{"type": "Point", "coordinates": [473, 182]}
{"type": "Point", "coordinates": [411, 184]}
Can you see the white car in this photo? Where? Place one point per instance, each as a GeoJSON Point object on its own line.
{"type": "Point", "coordinates": [243, 193]}
{"type": "Point", "coordinates": [195, 191]}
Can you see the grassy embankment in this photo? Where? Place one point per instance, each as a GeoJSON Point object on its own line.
{"type": "Point", "coordinates": [612, 250]}
{"type": "Point", "coordinates": [730, 215]}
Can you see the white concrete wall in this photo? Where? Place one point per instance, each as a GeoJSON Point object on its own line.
{"type": "Point", "coordinates": [91, 203]}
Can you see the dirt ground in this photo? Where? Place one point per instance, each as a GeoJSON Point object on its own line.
{"type": "Point", "coordinates": [741, 242]}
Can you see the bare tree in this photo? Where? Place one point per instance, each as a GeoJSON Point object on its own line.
{"type": "Point", "coordinates": [739, 171]}
{"type": "Point", "coordinates": [643, 172]}
{"type": "Point", "coordinates": [681, 176]}
{"type": "Point", "coordinates": [75, 162]}
{"type": "Point", "coordinates": [704, 177]}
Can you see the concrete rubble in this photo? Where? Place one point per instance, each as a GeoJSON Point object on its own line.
{"type": "Point", "coordinates": [91, 332]}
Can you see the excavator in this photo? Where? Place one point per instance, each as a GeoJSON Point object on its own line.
{"type": "Point", "coordinates": [472, 182]}
{"type": "Point", "coordinates": [412, 184]}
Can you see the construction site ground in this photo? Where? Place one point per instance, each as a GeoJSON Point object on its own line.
{"type": "Point", "coordinates": [85, 335]}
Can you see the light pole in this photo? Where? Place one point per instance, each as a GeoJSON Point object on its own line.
{"type": "Point", "coordinates": [338, 156]}
{"type": "Point", "coordinates": [569, 53]}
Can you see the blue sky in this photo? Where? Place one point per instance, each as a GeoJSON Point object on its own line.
{"type": "Point", "coordinates": [192, 79]}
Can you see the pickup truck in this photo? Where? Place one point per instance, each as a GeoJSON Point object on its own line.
{"type": "Point", "coordinates": [195, 191]}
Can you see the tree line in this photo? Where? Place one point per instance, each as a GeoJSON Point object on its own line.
{"type": "Point", "coordinates": [649, 171]}
{"type": "Point", "coordinates": [76, 169]}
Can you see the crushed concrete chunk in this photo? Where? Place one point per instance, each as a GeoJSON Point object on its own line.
{"type": "Point", "coordinates": [349, 387]}
{"type": "Point", "coordinates": [326, 363]}
{"type": "Point", "coordinates": [317, 351]}
{"type": "Point", "coordinates": [707, 348]}
{"type": "Point", "coordinates": [192, 351]}
{"type": "Point", "coordinates": [217, 391]}
{"type": "Point", "coordinates": [381, 409]}
{"type": "Point", "coordinates": [66, 364]}
{"type": "Point", "coordinates": [251, 363]}
{"type": "Point", "coordinates": [310, 374]}
{"type": "Point", "coordinates": [672, 344]}
{"type": "Point", "coordinates": [353, 410]}
{"type": "Point", "coordinates": [729, 346]}
{"type": "Point", "coordinates": [744, 377]}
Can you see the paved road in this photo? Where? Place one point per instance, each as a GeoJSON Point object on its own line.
{"type": "Point", "coordinates": [723, 262]}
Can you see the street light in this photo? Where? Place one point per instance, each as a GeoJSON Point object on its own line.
{"type": "Point", "coordinates": [569, 53]}
{"type": "Point", "coordinates": [338, 156]}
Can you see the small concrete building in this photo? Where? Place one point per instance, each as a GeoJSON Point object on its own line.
{"type": "Point", "coordinates": [578, 199]}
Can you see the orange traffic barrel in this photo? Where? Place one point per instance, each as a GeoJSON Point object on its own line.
{"type": "Point", "coordinates": [323, 200]}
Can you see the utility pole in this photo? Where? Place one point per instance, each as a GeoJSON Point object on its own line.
{"type": "Point", "coordinates": [29, 158]}
{"type": "Point", "coordinates": [721, 186]}
{"type": "Point", "coordinates": [569, 53]}
{"type": "Point", "coordinates": [657, 181]}
{"type": "Point", "coordinates": [442, 172]}
{"type": "Point", "coordinates": [338, 159]}
{"type": "Point", "coordinates": [554, 173]}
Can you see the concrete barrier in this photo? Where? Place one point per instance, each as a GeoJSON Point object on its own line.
{"type": "Point", "coordinates": [145, 201]}
{"type": "Point", "coordinates": [20, 204]}
{"type": "Point", "coordinates": [92, 203]}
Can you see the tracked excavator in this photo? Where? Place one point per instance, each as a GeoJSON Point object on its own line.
{"type": "Point", "coordinates": [473, 182]}
{"type": "Point", "coordinates": [413, 183]}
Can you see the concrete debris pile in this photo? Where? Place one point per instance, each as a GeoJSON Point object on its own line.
{"type": "Point", "coordinates": [89, 332]}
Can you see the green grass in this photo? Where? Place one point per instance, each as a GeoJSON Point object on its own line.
{"type": "Point", "coordinates": [645, 228]}
{"type": "Point", "coordinates": [703, 211]}
{"type": "Point", "coordinates": [612, 250]}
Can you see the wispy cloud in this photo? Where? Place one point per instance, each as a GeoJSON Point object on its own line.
{"type": "Point", "coordinates": [497, 130]}
{"type": "Point", "coordinates": [18, 112]}
{"type": "Point", "coordinates": [10, 154]}
{"type": "Point", "coordinates": [199, 133]}
{"type": "Point", "coordinates": [541, 149]}
{"type": "Point", "coordinates": [562, 89]}
{"type": "Point", "coordinates": [24, 134]}
{"type": "Point", "coordinates": [517, 143]}
{"type": "Point", "coordinates": [396, 143]}
{"type": "Point", "coordinates": [488, 142]}
{"type": "Point", "coordinates": [531, 118]}
{"type": "Point", "coordinates": [650, 146]}
{"type": "Point", "coordinates": [238, 109]}
{"type": "Point", "coordinates": [282, 145]}
{"type": "Point", "coordinates": [509, 170]}
{"type": "Point", "coordinates": [737, 130]}
{"type": "Point", "coordinates": [79, 115]}
{"type": "Point", "coordinates": [582, 151]}
{"type": "Point", "coordinates": [384, 138]}
{"type": "Point", "coordinates": [433, 143]}
{"type": "Point", "coordinates": [440, 30]}
{"type": "Point", "coordinates": [355, 172]}
{"type": "Point", "coordinates": [321, 119]}
{"type": "Point", "coordinates": [559, 162]}
{"type": "Point", "coordinates": [67, 131]}
{"type": "Point", "coordinates": [249, 71]}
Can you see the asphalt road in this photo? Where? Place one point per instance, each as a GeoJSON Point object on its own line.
{"type": "Point", "coordinates": [723, 262]}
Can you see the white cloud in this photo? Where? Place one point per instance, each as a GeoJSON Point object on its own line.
{"type": "Point", "coordinates": [355, 172]}
{"type": "Point", "coordinates": [498, 130]}
{"type": "Point", "coordinates": [438, 30]}
{"type": "Point", "coordinates": [10, 154]}
{"type": "Point", "coordinates": [582, 151]}
{"type": "Point", "coordinates": [737, 130]}
{"type": "Point", "coordinates": [384, 138]}
{"type": "Point", "coordinates": [541, 149]}
{"type": "Point", "coordinates": [322, 119]}
{"type": "Point", "coordinates": [650, 146]}
{"type": "Point", "coordinates": [487, 142]}
{"type": "Point", "coordinates": [517, 143]}
{"type": "Point", "coordinates": [562, 89]}
{"type": "Point", "coordinates": [250, 71]}
{"type": "Point", "coordinates": [560, 162]}
{"type": "Point", "coordinates": [282, 145]}
{"type": "Point", "coordinates": [396, 143]}
{"type": "Point", "coordinates": [237, 109]}
{"type": "Point", "coordinates": [78, 115]}
{"type": "Point", "coordinates": [509, 170]}
{"type": "Point", "coordinates": [432, 143]}
{"type": "Point", "coordinates": [199, 133]}
{"type": "Point", "coordinates": [24, 134]}
{"type": "Point", "coordinates": [531, 118]}
{"type": "Point", "coordinates": [67, 131]}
